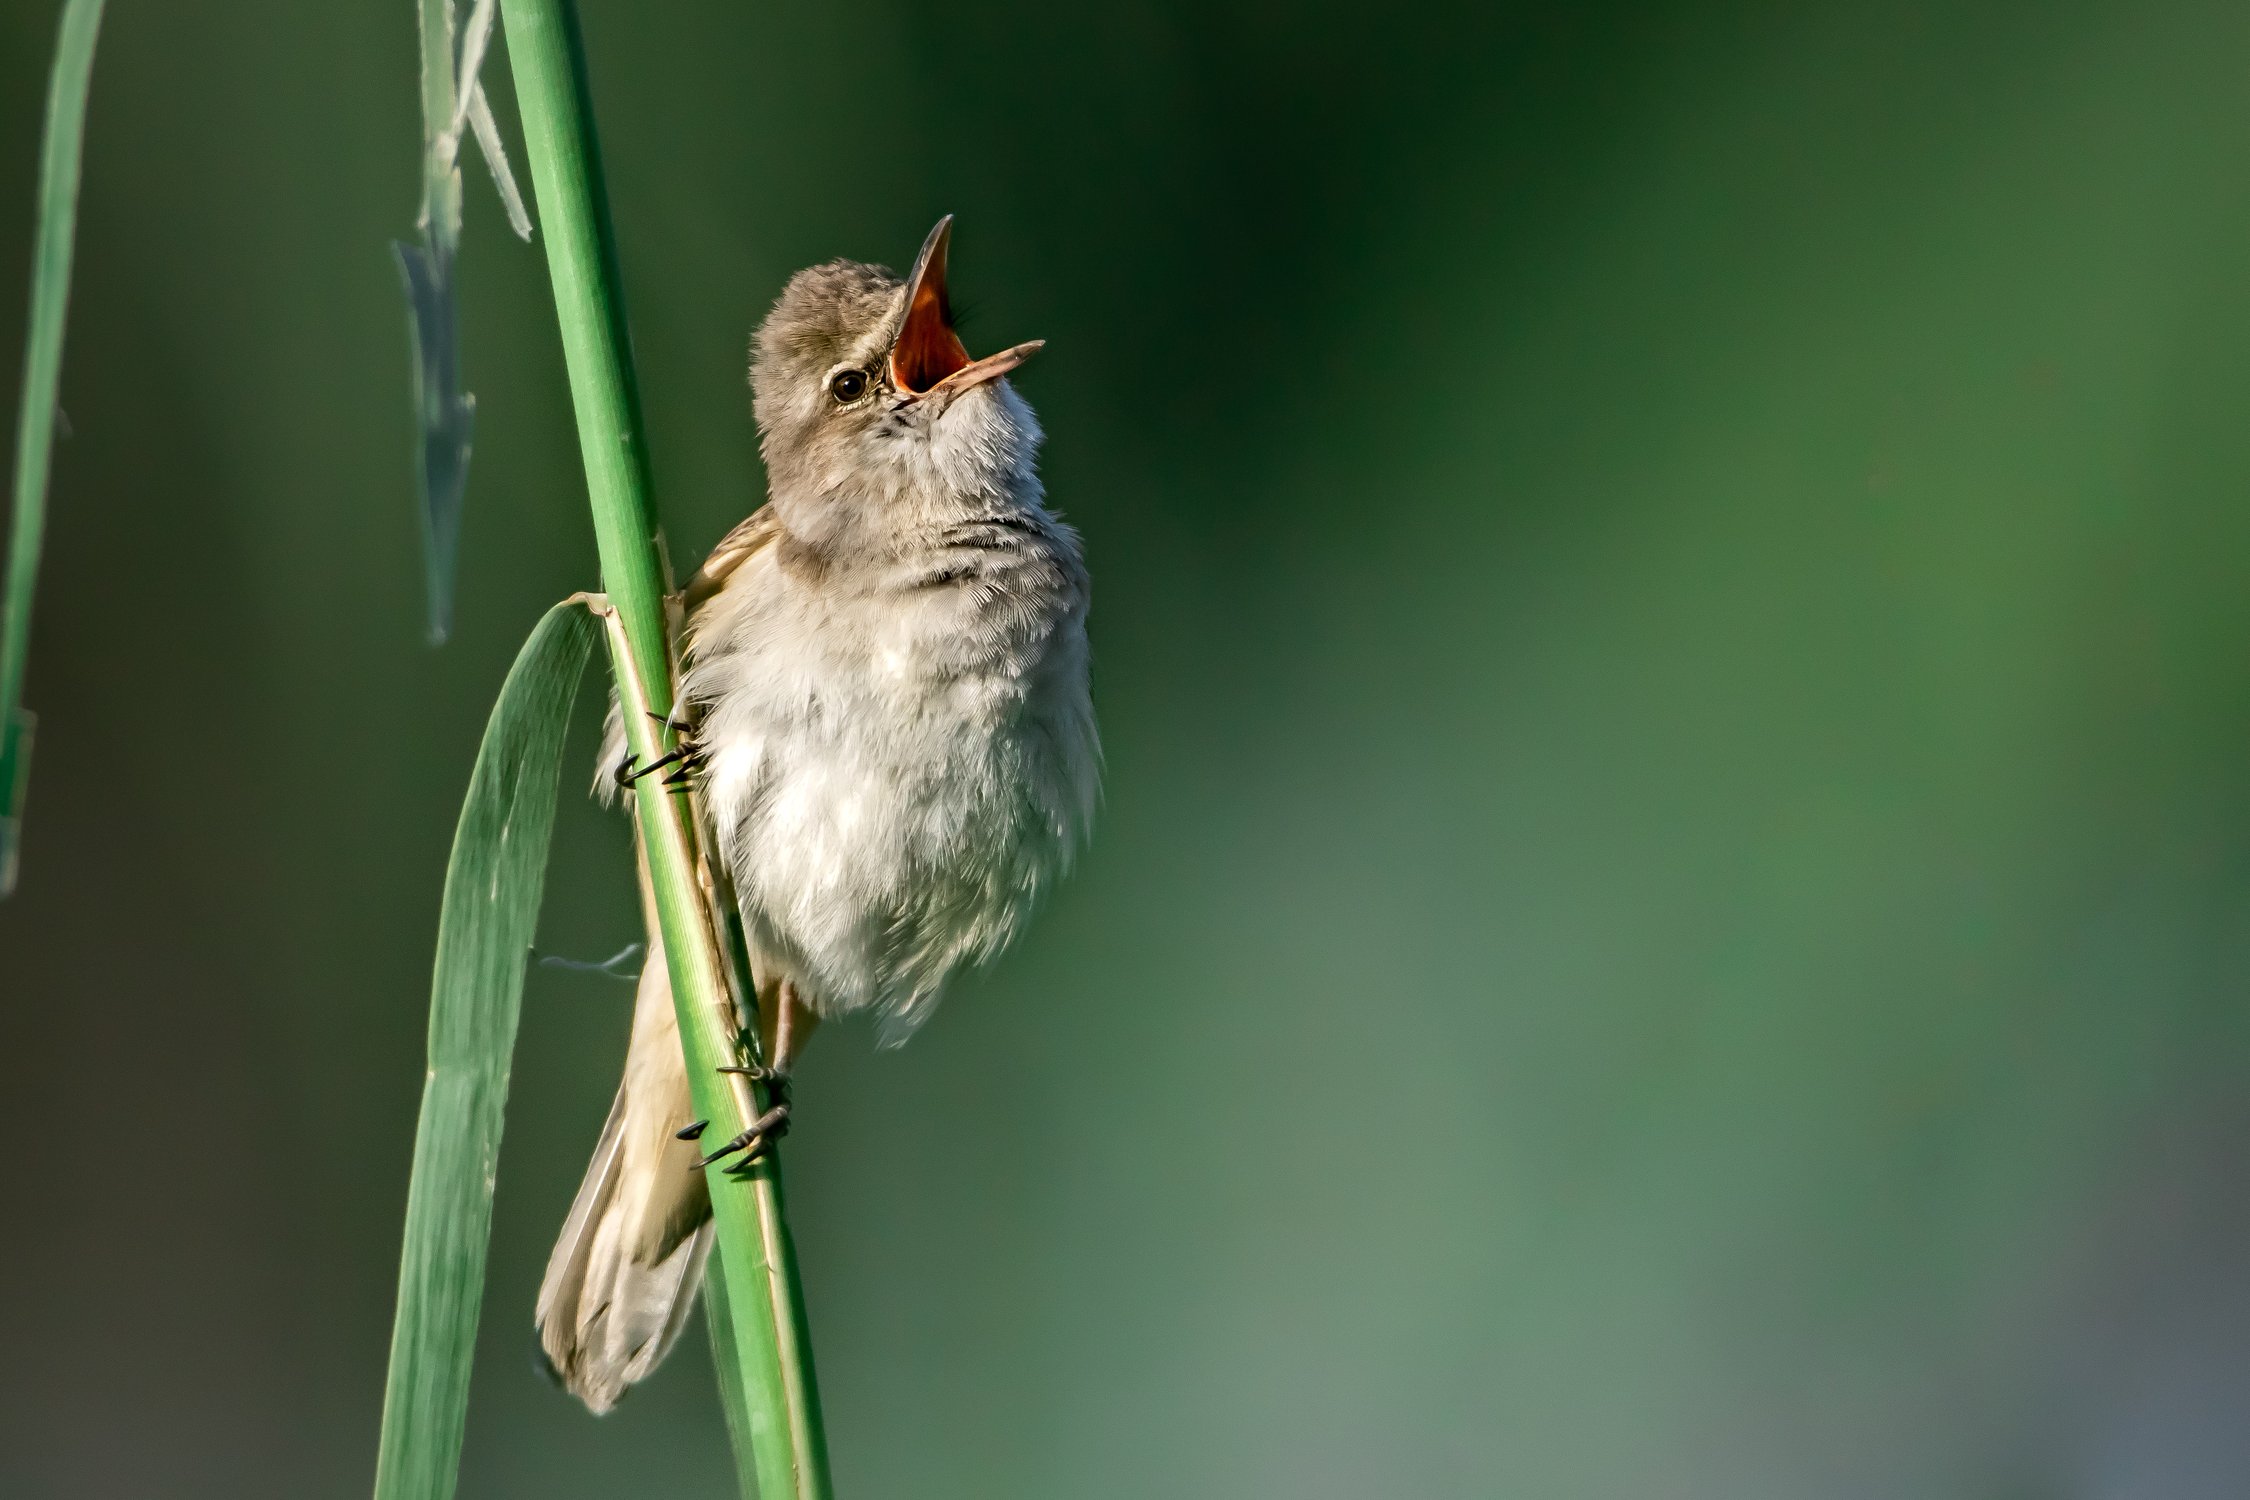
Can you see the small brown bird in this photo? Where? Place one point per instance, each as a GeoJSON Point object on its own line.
{"type": "Point", "coordinates": [886, 670]}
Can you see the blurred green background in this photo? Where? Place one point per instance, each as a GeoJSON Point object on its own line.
{"type": "Point", "coordinates": [1671, 628]}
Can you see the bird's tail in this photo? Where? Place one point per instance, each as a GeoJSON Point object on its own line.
{"type": "Point", "coordinates": [624, 1275]}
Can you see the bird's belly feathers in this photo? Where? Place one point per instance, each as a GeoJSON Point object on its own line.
{"type": "Point", "coordinates": [891, 804]}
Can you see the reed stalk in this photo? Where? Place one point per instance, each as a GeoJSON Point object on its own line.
{"type": "Point", "coordinates": [766, 1325]}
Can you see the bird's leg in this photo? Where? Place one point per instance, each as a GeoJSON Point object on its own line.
{"type": "Point", "coordinates": [776, 1081]}
{"type": "Point", "coordinates": [785, 1026]}
{"type": "Point", "coordinates": [788, 1025]}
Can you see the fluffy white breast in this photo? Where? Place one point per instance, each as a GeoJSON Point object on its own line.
{"type": "Point", "coordinates": [901, 753]}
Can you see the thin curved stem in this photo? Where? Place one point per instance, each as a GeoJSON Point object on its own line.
{"type": "Point", "coordinates": [764, 1303]}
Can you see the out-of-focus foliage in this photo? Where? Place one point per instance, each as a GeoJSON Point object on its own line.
{"type": "Point", "coordinates": [55, 213]}
{"type": "Point", "coordinates": [454, 109]}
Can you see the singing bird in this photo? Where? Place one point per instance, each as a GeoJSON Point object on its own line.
{"type": "Point", "coordinates": [886, 675]}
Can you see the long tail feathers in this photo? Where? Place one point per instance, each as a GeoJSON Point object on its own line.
{"type": "Point", "coordinates": [624, 1274]}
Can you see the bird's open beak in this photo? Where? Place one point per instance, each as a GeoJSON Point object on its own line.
{"type": "Point", "coordinates": [927, 356]}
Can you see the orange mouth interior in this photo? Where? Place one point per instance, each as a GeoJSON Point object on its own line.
{"type": "Point", "coordinates": [927, 349]}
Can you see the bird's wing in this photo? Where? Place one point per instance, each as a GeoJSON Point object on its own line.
{"type": "Point", "coordinates": [735, 548]}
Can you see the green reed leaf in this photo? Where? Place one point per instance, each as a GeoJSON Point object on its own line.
{"type": "Point", "coordinates": [37, 417]}
{"type": "Point", "coordinates": [485, 927]}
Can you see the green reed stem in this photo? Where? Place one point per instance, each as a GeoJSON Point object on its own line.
{"type": "Point", "coordinates": [765, 1307]}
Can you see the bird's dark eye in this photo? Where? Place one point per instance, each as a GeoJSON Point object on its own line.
{"type": "Point", "coordinates": [847, 385]}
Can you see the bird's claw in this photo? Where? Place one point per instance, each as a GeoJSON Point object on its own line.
{"type": "Point", "coordinates": [684, 761]}
{"type": "Point", "coordinates": [764, 1130]}
{"type": "Point", "coordinates": [776, 1080]}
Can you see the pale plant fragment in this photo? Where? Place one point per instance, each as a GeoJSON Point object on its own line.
{"type": "Point", "coordinates": [473, 109]}
{"type": "Point", "coordinates": [445, 412]}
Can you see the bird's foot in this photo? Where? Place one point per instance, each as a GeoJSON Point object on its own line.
{"type": "Point", "coordinates": [685, 761]}
{"type": "Point", "coordinates": [764, 1130]}
{"type": "Point", "coordinates": [776, 1080]}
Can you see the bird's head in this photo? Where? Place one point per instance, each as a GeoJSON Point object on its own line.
{"type": "Point", "coordinates": [863, 389]}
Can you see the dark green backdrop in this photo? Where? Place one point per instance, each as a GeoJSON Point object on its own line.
{"type": "Point", "coordinates": [1671, 628]}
